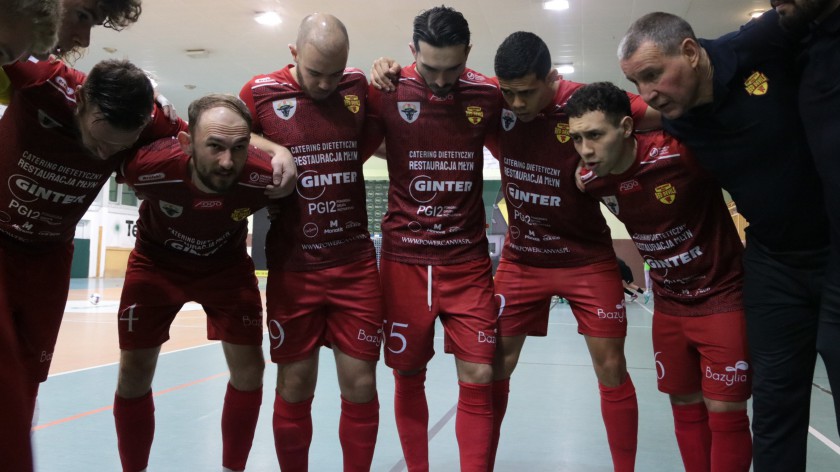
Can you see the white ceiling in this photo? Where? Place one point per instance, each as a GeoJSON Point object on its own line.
{"type": "Point", "coordinates": [587, 34]}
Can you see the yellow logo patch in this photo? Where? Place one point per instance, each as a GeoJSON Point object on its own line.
{"type": "Point", "coordinates": [240, 214]}
{"type": "Point", "coordinates": [666, 193]}
{"type": "Point", "coordinates": [352, 103]}
{"type": "Point", "coordinates": [562, 132]}
{"type": "Point", "coordinates": [475, 114]}
{"type": "Point", "coordinates": [756, 84]}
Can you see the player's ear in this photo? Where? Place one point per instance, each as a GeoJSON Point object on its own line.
{"type": "Point", "coordinates": [412, 49]}
{"type": "Point", "coordinates": [185, 140]}
{"type": "Point", "coordinates": [294, 51]}
{"type": "Point", "coordinates": [627, 126]}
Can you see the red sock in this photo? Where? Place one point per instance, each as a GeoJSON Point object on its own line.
{"type": "Point", "coordinates": [621, 418]}
{"type": "Point", "coordinates": [691, 426]}
{"type": "Point", "coordinates": [474, 425]}
{"type": "Point", "coordinates": [357, 430]}
{"type": "Point", "coordinates": [16, 424]}
{"type": "Point", "coordinates": [501, 391]}
{"type": "Point", "coordinates": [412, 415]}
{"type": "Point", "coordinates": [135, 421]}
{"type": "Point", "coordinates": [731, 441]}
{"type": "Point", "coordinates": [239, 421]}
{"type": "Point", "coordinates": [292, 433]}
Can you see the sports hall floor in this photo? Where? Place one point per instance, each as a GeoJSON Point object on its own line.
{"type": "Point", "coordinates": [553, 421]}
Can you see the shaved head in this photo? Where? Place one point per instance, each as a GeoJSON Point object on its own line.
{"type": "Point", "coordinates": [324, 32]}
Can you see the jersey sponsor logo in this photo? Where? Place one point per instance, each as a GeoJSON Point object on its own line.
{"type": "Point", "coordinates": [409, 111]}
{"type": "Point", "coordinates": [334, 227]}
{"type": "Point", "coordinates": [665, 193]}
{"type": "Point", "coordinates": [66, 89]}
{"type": "Point", "coordinates": [151, 177]}
{"type": "Point", "coordinates": [240, 214]}
{"type": "Point", "coordinates": [311, 185]}
{"type": "Point", "coordinates": [619, 314]}
{"type": "Point", "coordinates": [611, 202]}
{"type": "Point", "coordinates": [423, 189]}
{"type": "Point", "coordinates": [676, 261]}
{"type": "Point", "coordinates": [170, 209]}
{"type": "Point", "coordinates": [28, 190]}
{"type": "Point", "coordinates": [258, 178]}
{"type": "Point", "coordinates": [285, 108]}
{"type": "Point", "coordinates": [375, 339]}
{"type": "Point", "coordinates": [732, 375]}
{"type": "Point", "coordinates": [352, 103]}
{"type": "Point", "coordinates": [207, 204]}
{"type": "Point", "coordinates": [434, 98]}
{"type": "Point", "coordinates": [487, 336]}
{"type": "Point", "coordinates": [46, 121]}
{"type": "Point", "coordinates": [517, 197]}
{"type": "Point", "coordinates": [562, 132]}
{"type": "Point", "coordinates": [475, 77]}
{"type": "Point", "coordinates": [474, 114]}
{"type": "Point", "coordinates": [263, 80]}
{"type": "Point", "coordinates": [352, 224]}
{"type": "Point", "coordinates": [659, 151]}
{"type": "Point", "coordinates": [508, 119]}
{"type": "Point", "coordinates": [757, 84]}
{"type": "Point", "coordinates": [310, 230]}
{"type": "Point", "coordinates": [629, 186]}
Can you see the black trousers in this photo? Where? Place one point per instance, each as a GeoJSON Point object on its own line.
{"type": "Point", "coordinates": [782, 294]}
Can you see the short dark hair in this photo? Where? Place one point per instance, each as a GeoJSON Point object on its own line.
{"type": "Point", "coordinates": [599, 96]}
{"type": "Point", "coordinates": [214, 100]}
{"type": "Point", "coordinates": [665, 30]}
{"type": "Point", "coordinates": [122, 91]}
{"type": "Point", "coordinates": [441, 27]}
{"type": "Point", "coordinates": [520, 54]}
{"type": "Point", "coordinates": [120, 13]}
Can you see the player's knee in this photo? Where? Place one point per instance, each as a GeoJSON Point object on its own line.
{"type": "Point", "coordinates": [475, 373]}
{"type": "Point", "coordinates": [248, 377]}
{"type": "Point", "coordinates": [717, 406]}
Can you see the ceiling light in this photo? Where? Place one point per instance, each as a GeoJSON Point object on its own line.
{"type": "Point", "coordinates": [566, 68]}
{"type": "Point", "coordinates": [556, 5]}
{"type": "Point", "coordinates": [189, 86]}
{"type": "Point", "coordinates": [109, 50]}
{"type": "Point", "coordinates": [756, 13]}
{"type": "Point", "coordinates": [197, 53]}
{"type": "Point", "coordinates": [268, 18]}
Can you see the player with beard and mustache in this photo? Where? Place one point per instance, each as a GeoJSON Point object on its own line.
{"type": "Point", "coordinates": [198, 191]}
{"type": "Point", "coordinates": [323, 285]}
{"type": "Point", "coordinates": [819, 100]}
{"type": "Point", "coordinates": [434, 260]}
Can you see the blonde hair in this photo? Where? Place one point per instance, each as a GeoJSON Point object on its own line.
{"type": "Point", "coordinates": [43, 15]}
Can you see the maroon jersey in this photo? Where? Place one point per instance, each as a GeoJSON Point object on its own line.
{"type": "Point", "coordinates": [324, 223]}
{"type": "Point", "coordinates": [51, 179]}
{"type": "Point", "coordinates": [678, 220]}
{"type": "Point", "coordinates": [176, 216]}
{"type": "Point", "coordinates": [435, 153]}
{"type": "Point", "coordinates": [551, 223]}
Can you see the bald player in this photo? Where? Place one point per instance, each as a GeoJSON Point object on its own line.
{"type": "Point", "coordinates": [323, 286]}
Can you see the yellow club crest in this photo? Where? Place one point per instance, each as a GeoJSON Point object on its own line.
{"type": "Point", "coordinates": [240, 214]}
{"type": "Point", "coordinates": [666, 193]}
{"type": "Point", "coordinates": [352, 103]}
{"type": "Point", "coordinates": [756, 84]}
{"type": "Point", "coordinates": [475, 114]}
{"type": "Point", "coordinates": [562, 132]}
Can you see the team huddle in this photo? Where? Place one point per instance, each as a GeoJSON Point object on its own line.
{"type": "Point", "coordinates": [730, 322]}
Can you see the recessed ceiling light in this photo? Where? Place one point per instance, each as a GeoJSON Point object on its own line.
{"type": "Point", "coordinates": [189, 86]}
{"type": "Point", "coordinates": [268, 18]}
{"type": "Point", "coordinates": [556, 5]}
{"type": "Point", "coordinates": [565, 68]}
{"type": "Point", "coordinates": [109, 50]}
{"type": "Point", "coordinates": [756, 13]}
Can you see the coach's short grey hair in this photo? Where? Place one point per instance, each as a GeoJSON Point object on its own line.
{"type": "Point", "coordinates": [665, 30]}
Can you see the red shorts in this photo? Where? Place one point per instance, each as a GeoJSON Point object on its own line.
{"type": "Point", "coordinates": [461, 294]}
{"type": "Point", "coordinates": [338, 306]}
{"type": "Point", "coordinates": [702, 353]}
{"type": "Point", "coordinates": [35, 286]}
{"type": "Point", "coordinates": [154, 293]}
{"type": "Point", "coordinates": [595, 294]}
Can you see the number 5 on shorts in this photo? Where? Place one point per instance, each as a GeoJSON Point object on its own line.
{"type": "Point", "coordinates": [395, 334]}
